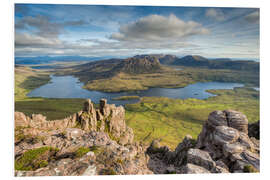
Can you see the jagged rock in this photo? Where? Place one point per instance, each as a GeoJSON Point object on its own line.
{"type": "Point", "coordinates": [245, 141]}
{"type": "Point", "coordinates": [220, 167]}
{"type": "Point", "coordinates": [21, 120]}
{"type": "Point", "coordinates": [117, 122]}
{"type": "Point", "coordinates": [104, 108]}
{"type": "Point", "coordinates": [230, 143]}
{"type": "Point", "coordinates": [178, 157]}
{"type": "Point", "coordinates": [237, 120]}
{"type": "Point", "coordinates": [193, 169]}
{"type": "Point", "coordinates": [222, 146]}
{"type": "Point", "coordinates": [217, 118]}
{"type": "Point", "coordinates": [88, 106]}
{"type": "Point", "coordinates": [73, 133]}
{"type": "Point", "coordinates": [127, 137]}
{"type": "Point", "coordinates": [256, 144]}
{"type": "Point", "coordinates": [244, 159]}
{"type": "Point", "coordinates": [200, 158]}
{"type": "Point", "coordinates": [229, 149]}
{"type": "Point", "coordinates": [225, 134]}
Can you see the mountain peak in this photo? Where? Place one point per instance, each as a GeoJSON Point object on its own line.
{"type": "Point", "coordinates": [139, 64]}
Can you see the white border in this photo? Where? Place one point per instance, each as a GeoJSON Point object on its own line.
{"type": "Point", "coordinates": [205, 3]}
{"type": "Point", "coordinates": [7, 80]}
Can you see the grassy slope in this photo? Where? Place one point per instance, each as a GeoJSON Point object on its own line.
{"type": "Point", "coordinates": [27, 79]}
{"type": "Point", "coordinates": [164, 118]}
{"type": "Point", "coordinates": [171, 119]}
{"type": "Point", "coordinates": [171, 79]}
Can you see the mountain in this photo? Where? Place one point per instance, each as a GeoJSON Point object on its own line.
{"type": "Point", "coordinates": [167, 59]}
{"type": "Point", "coordinates": [50, 59]}
{"type": "Point", "coordinates": [219, 63]}
{"type": "Point", "coordinates": [138, 65]}
{"type": "Point", "coordinates": [191, 60]}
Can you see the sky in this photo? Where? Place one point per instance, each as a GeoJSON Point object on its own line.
{"type": "Point", "coordinates": [118, 31]}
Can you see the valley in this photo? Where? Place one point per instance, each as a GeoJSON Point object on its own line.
{"type": "Point", "coordinates": [131, 74]}
{"type": "Point", "coordinates": [115, 89]}
{"type": "Point", "coordinates": [169, 119]}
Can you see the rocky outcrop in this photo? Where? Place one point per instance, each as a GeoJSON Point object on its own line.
{"type": "Point", "coordinates": [223, 146]}
{"type": "Point", "coordinates": [90, 142]}
{"type": "Point", "coordinates": [97, 141]}
{"type": "Point", "coordinates": [108, 118]}
{"type": "Point", "coordinates": [103, 155]}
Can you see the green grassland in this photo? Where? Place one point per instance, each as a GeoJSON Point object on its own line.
{"type": "Point", "coordinates": [169, 78]}
{"type": "Point", "coordinates": [172, 119]}
{"type": "Point", "coordinates": [27, 79]}
{"type": "Point", "coordinates": [126, 97]}
{"type": "Point", "coordinates": [155, 117]}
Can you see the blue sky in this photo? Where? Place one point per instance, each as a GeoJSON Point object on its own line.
{"type": "Point", "coordinates": [87, 30]}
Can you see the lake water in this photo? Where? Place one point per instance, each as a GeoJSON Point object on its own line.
{"type": "Point", "coordinates": [70, 87]}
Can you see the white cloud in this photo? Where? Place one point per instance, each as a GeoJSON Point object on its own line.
{"type": "Point", "coordinates": [25, 39]}
{"type": "Point", "coordinates": [158, 28]}
{"type": "Point", "coordinates": [216, 14]}
{"type": "Point", "coordinates": [149, 33]}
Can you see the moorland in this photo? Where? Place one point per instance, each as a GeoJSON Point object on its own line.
{"type": "Point", "coordinates": [152, 117]}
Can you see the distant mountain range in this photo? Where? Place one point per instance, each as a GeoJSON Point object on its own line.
{"type": "Point", "coordinates": [146, 63]}
{"type": "Point", "coordinates": [50, 59]}
{"type": "Point", "coordinates": [219, 63]}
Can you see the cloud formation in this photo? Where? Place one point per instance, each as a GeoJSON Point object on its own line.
{"type": "Point", "coordinates": [129, 30]}
{"type": "Point", "coordinates": [44, 27]}
{"type": "Point", "coordinates": [216, 14]}
{"type": "Point", "coordinates": [31, 40]}
{"type": "Point", "coordinates": [253, 17]}
{"type": "Point", "coordinates": [158, 28]}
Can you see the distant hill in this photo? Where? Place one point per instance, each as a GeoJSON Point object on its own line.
{"type": "Point", "coordinates": [191, 61]}
{"type": "Point", "coordinates": [50, 59]}
{"type": "Point", "coordinates": [218, 63]}
{"type": "Point", "coordinates": [138, 64]}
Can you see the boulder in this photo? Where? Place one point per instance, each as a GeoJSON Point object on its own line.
{"type": "Point", "coordinates": [217, 118]}
{"type": "Point", "coordinates": [237, 120]}
{"type": "Point", "coordinates": [229, 149]}
{"type": "Point", "coordinates": [224, 134]}
{"type": "Point", "coordinates": [200, 158]}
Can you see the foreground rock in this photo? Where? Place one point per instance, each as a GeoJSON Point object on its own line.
{"type": "Point", "coordinates": [223, 146]}
{"type": "Point", "coordinates": [98, 142]}
{"type": "Point", "coordinates": [108, 118]}
{"type": "Point", "coordinates": [90, 142]}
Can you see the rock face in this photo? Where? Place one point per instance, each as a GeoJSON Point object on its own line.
{"type": "Point", "coordinates": [223, 146]}
{"type": "Point", "coordinates": [90, 142]}
{"type": "Point", "coordinates": [108, 118]}
{"type": "Point", "coordinates": [98, 142]}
